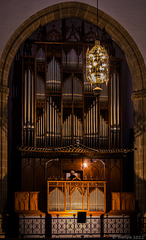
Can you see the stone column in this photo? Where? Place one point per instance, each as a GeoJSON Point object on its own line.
{"type": "Point", "coordinates": [4, 91]}
{"type": "Point", "coordinates": [139, 103]}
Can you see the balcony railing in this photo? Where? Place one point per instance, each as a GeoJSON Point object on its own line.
{"type": "Point", "coordinates": [117, 227]}
{"type": "Point", "coordinates": [70, 196]}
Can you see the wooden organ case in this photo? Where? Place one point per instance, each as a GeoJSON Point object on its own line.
{"type": "Point", "coordinates": [59, 109]}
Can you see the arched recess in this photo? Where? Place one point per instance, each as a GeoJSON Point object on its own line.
{"type": "Point", "coordinates": [118, 34]}
{"type": "Point", "coordinates": [88, 13]}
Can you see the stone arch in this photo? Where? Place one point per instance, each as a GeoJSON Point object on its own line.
{"type": "Point", "coordinates": [83, 11]}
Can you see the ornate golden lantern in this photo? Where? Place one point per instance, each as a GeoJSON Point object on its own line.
{"type": "Point", "coordinates": [97, 65]}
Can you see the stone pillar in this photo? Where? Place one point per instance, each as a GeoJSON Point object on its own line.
{"type": "Point", "coordinates": [4, 91]}
{"type": "Point", "coordinates": [139, 103]}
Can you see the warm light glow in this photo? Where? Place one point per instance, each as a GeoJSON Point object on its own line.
{"type": "Point", "coordinates": [97, 64]}
{"type": "Point", "coordinates": [84, 165]}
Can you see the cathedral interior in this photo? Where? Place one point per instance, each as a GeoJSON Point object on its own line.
{"type": "Point", "coordinates": [58, 126]}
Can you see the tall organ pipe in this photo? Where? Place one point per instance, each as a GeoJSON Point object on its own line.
{"type": "Point", "coordinates": [91, 120]}
{"type": "Point", "coordinates": [32, 100]}
{"type": "Point", "coordinates": [25, 99]}
{"type": "Point", "coordinates": [25, 107]}
{"type": "Point", "coordinates": [55, 124]}
{"type": "Point", "coordinates": [118, 103]}
{"type": "Point", "coordinates": [50, 116]}
{"type": "Point", "coordinates": [114, 94]}
{"type": "Point", "coordinates": [29, 97]}
{"type": "Point", "coordinates": [112, 100]}
{"type": "Point", "coordinates": [70, 127]}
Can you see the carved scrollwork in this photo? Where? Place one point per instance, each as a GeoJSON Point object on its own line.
{"type": "Point", "coordinates": [138, 95]}
{"type": "Point", "coordinates": [4, 90]}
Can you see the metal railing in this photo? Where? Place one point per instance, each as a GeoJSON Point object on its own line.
{"type": "Point", "coordinates": [24, 226]}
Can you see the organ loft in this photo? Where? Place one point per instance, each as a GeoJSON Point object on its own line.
{"type": "Point", "coordinates": [60, 125]}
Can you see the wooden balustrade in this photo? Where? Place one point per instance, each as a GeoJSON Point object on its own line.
{"type": "Point", "coordinates": [72, 196]}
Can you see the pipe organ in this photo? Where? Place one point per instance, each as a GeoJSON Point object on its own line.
{"type": "Point", "coordinates": [65, 127]}
{"type": "Point", "coordinates": [91, 123]}
{"type": "Point", "coordinates": [71, 59]}
{"type": "Point", "coordinates": [115, 106]}
{"type": "Point", "coordinates": [28, 99]}
{"type": "Point", "coordinates": [53, 78]}
{"type": "Point", "coordinates": [59, 106]}
{"type": "Point", "coordinates": [53, 123]}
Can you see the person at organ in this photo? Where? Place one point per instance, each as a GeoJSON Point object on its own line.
{"type": "Point", "coordinates": [73, 176]}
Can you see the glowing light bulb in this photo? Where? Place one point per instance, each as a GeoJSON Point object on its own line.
{"type": "Point", "coordinates": [84, 165]}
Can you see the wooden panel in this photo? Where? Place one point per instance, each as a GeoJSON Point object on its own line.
{"type": "Point", "coordinates": [115, 175]}
{"type": "Point", "coordinates": [127, 201]}
{"type": "Point", "coordinates": [33, 201]}
{"type": "Point", "coordinates": [28, 170]}
{"type": "Point", "coordinates": [123, 201]}
{"type": "Point", "coordinates": [21, 201]}
{"type": "Point", "coordinates": [26, 201]}
{"type": "Point", "coordinates": [115, 201]}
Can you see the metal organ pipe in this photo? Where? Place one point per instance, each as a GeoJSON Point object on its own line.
{"type": "Point", "coordinates": [53, 122]}
{"type": "Point", "coordinates": [118, 102]}
{"type": "Point", "coordinates": [111, 100]}
{"type": "Point", "coordinates": [115, 109]}
{"type": "Point", "coordinates": [28, 101]}
{"type": "Point", "coordinates": [91, 124]}
{"type": "Point", "coordinates": [29, 88]}
{"type": "Point", "coordinates": [55, 132]}
{"type": "Point", "coordinates": [76, 129]}
{"type": "Point", "coordinates": [114, 98]}
{"type": "Point", "coordinates": [41, 123]}
{"type": "Point", "coordinates": [53, 114]}
{"type": "Point", "coordinates": [91, 121]}
{"type": "Point", "coordinates": [39, 129]}
{"type": "Point", "coordinates": [118, 110]}
{"type": "Point", "coordinates": [70, 128]}
{"type": "Point", "coordinates": [32, 101]}
{"type": "Point", "coordinates": [96, 119]}
{"type": "Point", "coordinates": [25, 99]}
{"type": "Point", "coordinates": [25, 107]}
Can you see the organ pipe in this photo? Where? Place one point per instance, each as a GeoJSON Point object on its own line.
{"type": "Point", "coordinates": [29, 89]}
{"type": "Point", "coordinates": [67, 128]}
{"type": "Point", "coordinates": [111, 101]}
{"type": "Point", "coordinates": [28, 114]}
{"type": "Point", "coordinates": [117, 100]}
{"type": "Point", "coordinates": [114, 99]}
{"type": "Point", "coordinates": [32, 101]}
{"type": "Point", "coordinates": [53, 123]}
{"type": "Point", "coordinates": [115, 112]}
{"type": "Point", "coordinates": [53, 76]}
{"type": "Point", "coordinates": [25, 99]}
{"type": "Point", "coordinates": [91, 123]}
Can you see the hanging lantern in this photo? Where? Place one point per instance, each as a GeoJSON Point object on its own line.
{"type": "Point", "coordinates": [97, 66]}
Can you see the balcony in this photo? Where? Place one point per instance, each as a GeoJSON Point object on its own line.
{"type": "Point", "coordinates": [67, 197]}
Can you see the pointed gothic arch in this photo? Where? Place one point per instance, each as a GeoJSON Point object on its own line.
{"type": "Point", "coordinates": [118, 34]}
